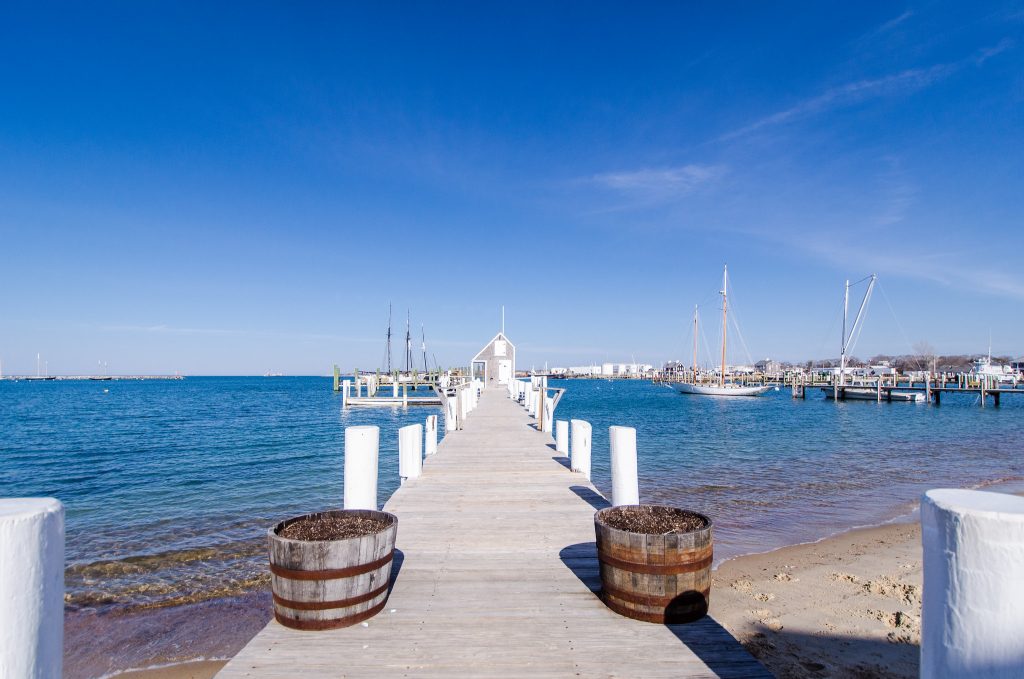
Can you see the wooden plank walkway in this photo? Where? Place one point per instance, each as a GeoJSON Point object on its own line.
{"type": "Point", "coordinates": [496, 578]}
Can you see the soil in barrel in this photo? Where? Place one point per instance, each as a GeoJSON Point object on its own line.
{"type": "Point", "coordinates": [332, 528]}
{"type": "Point", "coordinates": [653, 520]}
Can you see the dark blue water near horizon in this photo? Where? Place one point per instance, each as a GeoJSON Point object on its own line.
{"type": "Point", "coordinates": [170, 486]}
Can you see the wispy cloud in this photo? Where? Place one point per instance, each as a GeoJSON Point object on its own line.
{"type": "Point", "coordinates": [987, 53]}
{"type": "Point", "coordinates": [893, 23]}
{"type": "Point", "coordinates": [162, 329]}
{"type": "Point", "coordinates": [658, 185]}
{"type": "Point", "coordinates": [904, 82]}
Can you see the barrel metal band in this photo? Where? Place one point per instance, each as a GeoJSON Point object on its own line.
{"type": "Point", "coordinates": [652, 617]}
{"type": "Point", "coordinates": [655, 569]}
{"type": "Point", "coordinates": [327, 605]}
{"type": "Point", "coordinates": [308, 625]}
{"type": "Point", "coordinates": [648, 600]}
{"type": "Point", "coordinates": [332, 573]}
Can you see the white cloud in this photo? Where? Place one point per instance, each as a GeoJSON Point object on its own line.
{"type": "Point", "coordinates": [656, 185]}
{"type": "Point", "coordinates": [905, 82]}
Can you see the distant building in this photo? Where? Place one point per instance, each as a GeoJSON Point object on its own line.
{"type": "Point", "coordinates": [767, 366]}
{"type": "Point", "coordinates": [495, 364]}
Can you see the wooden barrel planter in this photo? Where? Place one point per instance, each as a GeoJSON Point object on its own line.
{"type": "Point", "coordinates": [331, 569]}
{"type": "Point", "coordinates": [655, 562]}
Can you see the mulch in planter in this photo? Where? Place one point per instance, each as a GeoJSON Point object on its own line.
{"type": "Point", "coordinates": [326, 527]}
{"type": "Point", "coordinates": [653, 520]}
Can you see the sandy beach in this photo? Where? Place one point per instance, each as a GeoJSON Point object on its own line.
{"type": "Point", "coordinates": [848, 606]}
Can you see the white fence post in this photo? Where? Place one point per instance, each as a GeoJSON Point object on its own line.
{"type": "Point", "coordinates": [625, 486]}
{"type": "Point", "coordinates": [410, 451]}
{"type": "Point", "coordinates": [579, 460]}
{"type": "Point", "coordinates": [562, 436]}
{"type": "Point", "coordinates": [344, 393]}
{"type": "Point", "coordinates": [31, 587]}
{"type": "Point", "coordinates": [972, 618]}
{"type": "Point", "coordinates": [430, 434]}
{"type": "Point", "coordinates": [362, 446]}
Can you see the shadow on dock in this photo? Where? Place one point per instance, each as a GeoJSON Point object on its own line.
{"type": "Point", "coordinates": [562, 460]}
{"type": "Point", "coordinates": [396, 568]}
{"type": "Point", "coordinates": [708, 640]}
{"type": "Point", "coordinates": [595, 500]}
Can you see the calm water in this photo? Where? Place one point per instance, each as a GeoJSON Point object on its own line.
{"type": "Point", "coordinates": [170, 486]}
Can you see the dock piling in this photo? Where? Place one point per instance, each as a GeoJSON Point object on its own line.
{"type": "Point", "coordinates": [362, 447]}
{"type": "Point", "coordinates": [410, 452]}
{"type": "Point", "coordinates": [973, 547]}
{"type": "Point", "coordinates": [625, 486]}
{"type": "Point", "coordinates": [32, 587]}
{"type": "Point", "coordinates": [562, 436]}
{"type": "Point", "coordinates": [430, 434]}
{"type": "Point", "coordinates": [579, 455]}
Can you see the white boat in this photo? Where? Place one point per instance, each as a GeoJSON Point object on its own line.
{"type": "Point", "coordinates": [862, 392]}
{"type": "Point", "coordinates": [724, 387]}
{"type": "Point", "coordinates": [1000, 373]}
{"type": "Point", "coordinates": [728, 389]}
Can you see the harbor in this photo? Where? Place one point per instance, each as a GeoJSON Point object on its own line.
{"type": "Point", "coordinates": [719, 371]}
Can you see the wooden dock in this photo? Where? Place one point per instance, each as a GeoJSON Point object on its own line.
{"type": "Point", "coordinates": [495, 576]}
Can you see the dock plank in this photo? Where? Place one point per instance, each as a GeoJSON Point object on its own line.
{"type": "Point", "coordinates": [496, 577]}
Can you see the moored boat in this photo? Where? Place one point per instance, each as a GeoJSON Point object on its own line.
{"type": "Point", "coordinates": [724, 387]}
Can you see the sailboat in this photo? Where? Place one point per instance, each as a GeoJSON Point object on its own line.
{"type": "Point", "coordinates": [724, 387]}
{"type": "Point", "coordinates": [861, 393]}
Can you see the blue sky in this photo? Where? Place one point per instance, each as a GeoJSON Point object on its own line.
{"type": "Point", "coordinates": [232, 189]}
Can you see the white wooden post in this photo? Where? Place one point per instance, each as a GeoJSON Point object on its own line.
{"type": "Point", "coordinates": [405, 395]}
{"type": "Point", "coordinates": [579, 459]}
{"type": "Point", "coordinates": [972, 618]}
{"type": "Point", "coordinates": [362, 446]}
{"type": "Point", "coordinates": [410, 452]}
{"type": "Point", "coordinates": [562, 436]}
{"type": "Point", "coordinates": [463, 407]}
{"type": "Point", "coordinates": [625, 486]}
{"type": "Point", "coordinates": [430, 434]}
{"type": "Point", "coordinates": [31, 587]}
{"type": "Point", "coordinates": [344, 393]}
{"type": "Point", "coordinates": [451, 412]}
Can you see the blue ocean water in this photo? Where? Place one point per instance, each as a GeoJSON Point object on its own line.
{"type": "Point", "coordinates": [170, 486]}
{"type": "Point", "coordinates": [774, 471]}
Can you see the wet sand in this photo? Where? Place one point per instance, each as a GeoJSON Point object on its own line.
{"type": "Point", "coordinates": [176, 641]}
{"type": "Point", "coordinates": [848, 606]}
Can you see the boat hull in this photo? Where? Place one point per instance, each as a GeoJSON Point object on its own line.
{"type": "Point", "coordinates": [713, 390]}
{"type": "Point", "coordinates": [871, 394]}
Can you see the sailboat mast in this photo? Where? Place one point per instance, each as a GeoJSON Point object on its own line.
{"type": "Point", "coordinates": [725, 305]}
{"type": "Point", "coordinates": [408, 344]}
{"type": "Point", "coordinates": [389, 338]}
{"type": "Point", "coordinates": [423, 346]}
{"type": "Point", "coordinates": [695, 344]}
{"type": "Point", "coordinates": [842, 350]}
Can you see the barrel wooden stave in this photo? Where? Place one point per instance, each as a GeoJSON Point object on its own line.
{"type": "Point", "coordinates": [333, 583]}
{"type": "Point", "coordinates": [655, 578]}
